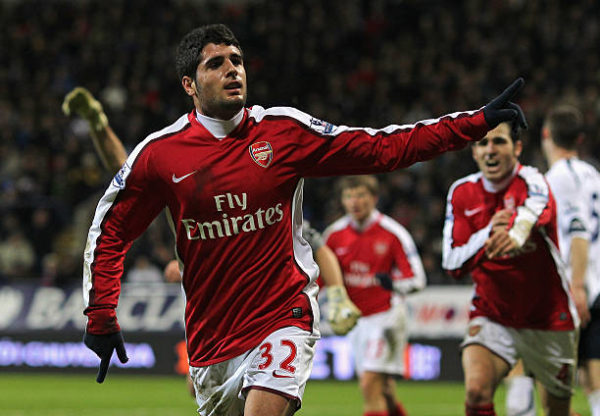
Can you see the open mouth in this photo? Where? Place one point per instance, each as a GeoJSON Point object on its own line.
{"type": "Point", "coordinates": [233, 85]}
{"type": "Point", "coordinates": [491, 163]}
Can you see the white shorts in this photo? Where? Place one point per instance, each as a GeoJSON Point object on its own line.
{"type": "Point", "coordinates": [281, 363]}
{"type": "Point", "coordinates": [379, 340]}
{"type": "Point", "coordinates": [549, 356]}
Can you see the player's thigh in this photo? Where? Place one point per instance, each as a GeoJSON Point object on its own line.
{"type": "Point", "coordinates": [280, 366]}
{"type": "Point", "coordinates": [553, 405]}
{"type": "Point", "coordinates": [483, 369]}
{"type": "Point", "coordinates": [261, 402]}
{"type": "Point", "coordinates": [589, 351]}
{"type": "Point", "coordinates": [550, 356]}
{"type": "Point", "coordinates": [592, 374]}
{"type": "Point", "coordinates": [218, 386]}
{"type": "Point", "coordinates": [488, 353]}
{"type": "Point", "coordinates": [379, 341]}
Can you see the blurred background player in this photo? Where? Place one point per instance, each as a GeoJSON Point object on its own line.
{"type": "Point", "coordinates": [576, 187]}
{"type": "Point", "coordinates": [380, 264]}
{"type": "Point", "coordinates": [501, 227]}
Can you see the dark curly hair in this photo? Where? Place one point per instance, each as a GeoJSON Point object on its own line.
{"type": "Point", "coordinates": [189, 51]}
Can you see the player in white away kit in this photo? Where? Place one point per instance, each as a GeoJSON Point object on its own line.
{"type": "Point", "coordinates": [231, 180]}
{"type": "Point", "coordinates": [380, 264]}
{"type": "Point", "coordinates": [501, 228]}
{"type": "Point", "coordinates": [576, 187]}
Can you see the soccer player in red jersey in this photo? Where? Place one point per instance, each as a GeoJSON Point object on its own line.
{"type": "Point", "coordinates": [231, 180]}
{"type": "Point", "coordinates": [380, 264]}
{"type": "Point", "coordinates": [501, 228]}
{"type": "Point", "coordinates": [342, 314]}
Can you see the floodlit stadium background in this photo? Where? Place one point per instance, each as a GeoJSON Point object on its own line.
{"type": "Point", "coordinates": [364, 63]}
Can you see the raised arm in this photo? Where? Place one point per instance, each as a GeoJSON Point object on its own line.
{"type": "Point", "coordinates": [108, 145]}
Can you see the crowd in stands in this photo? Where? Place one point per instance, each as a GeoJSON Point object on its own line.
{"type": "Point", "coordinates": [354, 62]}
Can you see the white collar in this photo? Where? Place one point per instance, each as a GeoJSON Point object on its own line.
{"type": "Point", "coordinates": [220, 128]}
{"type": "Point", "coordinates": [373, 218]}
{"type": "Point", "coordinates": [494, 187]}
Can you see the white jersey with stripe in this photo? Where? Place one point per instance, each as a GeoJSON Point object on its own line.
{"type": "Point", "coordinates": [576, 188]}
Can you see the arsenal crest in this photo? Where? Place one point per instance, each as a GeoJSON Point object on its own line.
{"type": "Point", "coordinates": [262, 153]}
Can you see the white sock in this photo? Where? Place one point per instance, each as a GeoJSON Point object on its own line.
{"type": "Point", "coordinates": [594, 401]}
{"type": "Point", "coordinates": [520, 396]}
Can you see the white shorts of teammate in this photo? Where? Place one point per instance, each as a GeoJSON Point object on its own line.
{"type": "Point", "coordinates": [549, 356]}
{"type": "Point", "coordinates": [281, 364]}
{"type": "Point", "coordinates": [378, 341]}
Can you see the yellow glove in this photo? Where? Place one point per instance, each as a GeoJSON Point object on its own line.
{"type": "Point", "coordinates": [342, 313]}
{"type": "Point", "coordinates": [82, 102]}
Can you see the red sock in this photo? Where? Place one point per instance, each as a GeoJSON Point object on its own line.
{"type": "Point", "coordinates": [381, 413]}
{"type": "Point", "coordinates": [480, 410]}
{"type": "Point", "coordinates": [400, 410]}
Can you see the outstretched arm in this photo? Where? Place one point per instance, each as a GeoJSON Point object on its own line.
{"type": "Point", "coordinates": [108, 145]}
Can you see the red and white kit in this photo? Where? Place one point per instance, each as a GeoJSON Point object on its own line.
{"type": "Point", "coordinates": [235, 204]}
{"type": "Point", "coordinates": [380, 245]}
{"type": "Point", "coordinates": [528, 289]}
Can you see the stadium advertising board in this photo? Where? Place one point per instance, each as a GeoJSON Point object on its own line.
{"type": "Point", "coordinates": [41, 330]}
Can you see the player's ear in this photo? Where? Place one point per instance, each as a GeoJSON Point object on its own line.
{"type": "Point", "coordinates": [518, 148]}
{"type": "Point", "coordinates": [188, 85]}
{"type": "Point", "coordinates": [545, 133]}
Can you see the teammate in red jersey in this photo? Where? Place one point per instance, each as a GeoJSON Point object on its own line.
{"type": "Point", "coordinates": [381, 264]}
{"type": "Point", "coordinates": [501, 228]}
{"type": "Point", "coordinates": [231, 180]}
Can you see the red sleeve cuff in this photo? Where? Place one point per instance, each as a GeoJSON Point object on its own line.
{"type": "Point", "coordinates": [101, 321]}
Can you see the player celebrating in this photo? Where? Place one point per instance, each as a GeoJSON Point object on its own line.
{"type": "Point", "coordinates": [231, 180]}
{"type": "Point", "coordinates": [501, 227]}
{"type": "Point", "coordinates": [576, 186]}
{"type": "Point", "coordinates": [380, 264]}
{"type": "Point", "coordinates": [341, 312]}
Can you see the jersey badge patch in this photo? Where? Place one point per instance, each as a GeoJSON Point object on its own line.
{"type": "Point", "coordinates": [119, 179]}
{"type": "Point", "coordinates": [261, 153]}
{"type": "Point", "coordinates": [321, 126]}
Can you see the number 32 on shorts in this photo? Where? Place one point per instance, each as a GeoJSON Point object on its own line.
{"type": "Point", "coordinates": [287, 349]}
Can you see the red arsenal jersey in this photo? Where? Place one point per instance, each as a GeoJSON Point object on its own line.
{"type": "Point", "coordinates": [381, 245]}
{"type": "Point", "coordinates": [235, 205]}
{"type": "Point", "coordinates": [527, 289]}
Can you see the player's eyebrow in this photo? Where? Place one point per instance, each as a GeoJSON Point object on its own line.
{"type": "Point", "coordinates": [496, 140]}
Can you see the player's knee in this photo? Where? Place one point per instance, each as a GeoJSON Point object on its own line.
{"type": "Point", "coordinates": [477, 394]}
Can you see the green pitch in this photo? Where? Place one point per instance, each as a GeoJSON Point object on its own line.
{"type": "Point", "coordinates": [70, 395]}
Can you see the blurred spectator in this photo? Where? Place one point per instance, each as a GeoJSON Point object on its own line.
{"type": "Point", "coordinates": [144, 272]}
{"type": "Point", "coordinates": [16, 255]}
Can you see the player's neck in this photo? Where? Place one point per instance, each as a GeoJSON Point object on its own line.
{"type": "Point", "coordinates": [220, 128]}
{"type": "Point", "coordinates": [559, 153]}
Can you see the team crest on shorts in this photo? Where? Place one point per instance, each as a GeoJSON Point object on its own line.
{"type": "Point", "coordinates": [262, 153]}
{"type": "Point", "coordinates": [474, 330]}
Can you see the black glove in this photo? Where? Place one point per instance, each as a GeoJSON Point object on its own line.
{"type": "Point", "coordinates": [385, 281]}
{"type": "Point", "coordinates": [103, 346]}
{"type": "Point", "coordinates": [500, 109]}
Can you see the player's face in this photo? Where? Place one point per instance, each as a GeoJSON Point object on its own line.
{"type": "Point", "coordinates": [219, 89]}
{"type": "Point", "coordinates": [496, 155]}
{"type": "Point", "coordinates": [358, 202]}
